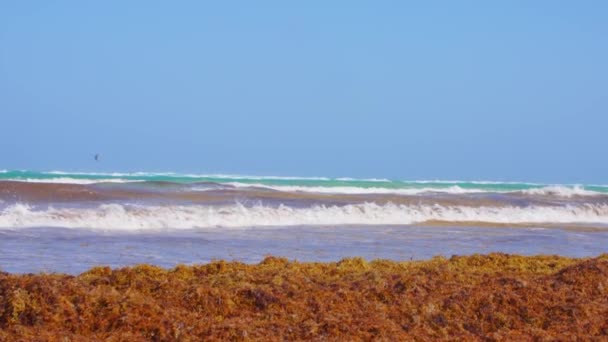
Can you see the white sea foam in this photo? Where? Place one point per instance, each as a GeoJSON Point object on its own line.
{"type": "Point", "coordinates": [318, 185]}
{"type": "Point", "coordinates": [68, 180]}
{"type": "Point", "coordinates": [553, 190]}
{"type": "Point", "coordinates": [356, 190]}
{"type": "Point", "coordinates": [133, 217]}
{"type": "Point", "coordinates": [349, 179]}
{"type": "Point", "coordinates": [184, 175]}
{"type": "Point", "coordinates": [561, 191]}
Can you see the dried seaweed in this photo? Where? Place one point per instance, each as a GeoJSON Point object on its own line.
{"type": "Point", "coordinates": [478, 297]}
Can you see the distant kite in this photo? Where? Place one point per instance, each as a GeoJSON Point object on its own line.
{"type": "Point", "coordinates": [97, 157]}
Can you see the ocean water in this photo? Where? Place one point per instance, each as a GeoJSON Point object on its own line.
{"type": "Point", "coordinates": [68, 222]}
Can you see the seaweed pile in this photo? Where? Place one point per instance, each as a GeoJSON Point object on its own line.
{"type": "Point", "coordinates": [490, 297]}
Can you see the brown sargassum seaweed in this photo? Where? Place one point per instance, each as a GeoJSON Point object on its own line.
{"type": "Point", "coordinates": [478, 297]}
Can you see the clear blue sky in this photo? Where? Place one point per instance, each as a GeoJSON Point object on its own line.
{"type": "Point", "coordinates": [500, 90]}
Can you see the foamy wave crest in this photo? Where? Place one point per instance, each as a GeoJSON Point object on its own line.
{"type": "Point", "coordinates": [350, 179]}
{"type": "Point", "coordinates": [133, 217]}
{"type": "Point", "coordinates": [185, 175]}
{"type": "Point", "coordinates": [455, 189]}
{"type": "Point", "coordinates": [561, 191]}
{"type": "Point", "coordinates": [68, 180]}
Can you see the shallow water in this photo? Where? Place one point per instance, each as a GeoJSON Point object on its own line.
{"type": "Point", "coordinates": [76, 250]}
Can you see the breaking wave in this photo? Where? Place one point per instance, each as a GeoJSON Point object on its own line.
{"type": "Point", "coordinates": [68, 180]}
{"type": "Point", "coordinates": [561, 191]}
{"type": "Point", "coordinates": [311, 184]}
{"type": "Point", "coordinates": [135, 217]}
{"type": "Point", "coordinates": [454, 189]}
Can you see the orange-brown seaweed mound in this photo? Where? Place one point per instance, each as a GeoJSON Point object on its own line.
{"type": "Point", "coordinates": [494, 297]}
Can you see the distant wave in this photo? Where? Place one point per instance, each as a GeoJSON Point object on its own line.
{"type": "Point", "coordinates": [554, 190]}
{"type": "Point", "coordinates": [322, 185]}
{"type": "Point", "coordinates": [68, 180]}
{"type": "Point", "coordinates": [186, 175]}
{"type": "Point", "coordinates": [356, 190]}
{"type": "Point", "coordinates": [134, 217]}
{"type": "Point", "coordinates": [561, 191]}
{"type": "Point", "coordinates": [348, 179]}
{"type": "Point", "coordinates": [245, 177]}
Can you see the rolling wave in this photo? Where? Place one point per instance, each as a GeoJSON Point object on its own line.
{"type": "Point", "coordinates": [454, 189]}
{"type": "Point", "coordinates": [137, 217]}
{"type": "Point", "coordinates": [68, 180]}
{"type": "Point", "coordinates": [561, 191]}
{"type": "Point", "coordinates": [187, 175]}
{"type": "Point", "coordinates": [411, 189]}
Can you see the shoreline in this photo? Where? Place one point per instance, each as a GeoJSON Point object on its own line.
{"type": "Point", "coordinates": [74, 251]}
{"type": "Point", "coordinates": [496, 296]}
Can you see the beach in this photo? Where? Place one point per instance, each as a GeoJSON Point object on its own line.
{"type": "Point", "coordinates": [165, 256]}
{"type": "Point", "coordinates": [303, 171]}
